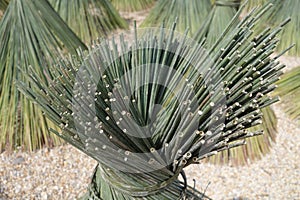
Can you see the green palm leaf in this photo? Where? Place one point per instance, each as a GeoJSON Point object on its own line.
{"type": "Point", "coordinates": [189, 14]}
{"type": "Point", "coordinates": [288, 90]}
{"type": "Point", "coordinates": [89, 19]}
{"type": "Point", "coordinates": [31, 33]}
{"type": "Point", "coordinates": [132, 5]}
{"type": "Point", "coordinates": [105, 102]}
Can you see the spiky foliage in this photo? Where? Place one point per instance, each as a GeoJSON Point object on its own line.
{"type": "Point", "coordinates": [189, 14]}
{"type": "Point", "coordinates": [31, 33]}
{"type": "Point", "coordinates": [255, 147]}
{"type": "Point", "coordinates": [288, 89]}
{"type": "Point", "coordinates": [89, 19]}
{"type": "Point", "coordinates": [106, 105]}
{"type": "Point", "coordinates": [280, 11]}
{"type": "Point", "coordinates": [132, 5]}
{"type": "Point", "coordinates": [259, 145]}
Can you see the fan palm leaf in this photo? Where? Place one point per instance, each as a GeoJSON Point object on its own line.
{"type": "Point", "coordinates": [89, 19]}
{"type": "Point", "coordinates": [31, 33]}
{"type": "Point", "coordinates": [132, 5]}
{"type": "Point", "coordinates": [105, 102]}
{"type": "Point", "coordinates": [288, 90]}
{"type": "Point", "coordinates": [189, 14]}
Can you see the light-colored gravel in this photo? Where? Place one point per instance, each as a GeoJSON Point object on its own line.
{"type": "Point", "coordinates": [63, 173]}
{"type": "Point", "coordinates": [275, 177]}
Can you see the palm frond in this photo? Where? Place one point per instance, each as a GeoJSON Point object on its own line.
{"type": "Point", "coordinates": [105, 102]}
{"type": "Point", "coordinates": [189, 14]}
{"type": "Point", "coordinates": [31, 33]}
{"type": "Point", "coordinates": [289, 91]}
{"type": "Point", "coordinates": [89, 19]}
{"type": "Point", "coordinates": [132, 5]}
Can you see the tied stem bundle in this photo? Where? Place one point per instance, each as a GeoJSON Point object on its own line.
{"type": "Point", "coordinates": [288, 89]}
{"type": "Point", "coordinates": [223, 13]}
{"type": "Point", "coordinates": [189, 14]}
{"type": "Point", "coordinates": [254, 3]}
{"type": "Point", "coordinates": [89, 19]}
{"type": "Point", "coordinates": [146, 110]}
{"type": "Point", "coordinates": [31, 33]}
{"type": "Point", "coordinates": [132, 5]}
{"type": "Point", "coordinates": [281, 10]}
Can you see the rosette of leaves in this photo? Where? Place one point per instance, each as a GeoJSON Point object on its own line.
{"type": "Point", "coordinates": [256, 147]}
{"type": "Point", "coordinates": [89, 19]}
{"type": "Point", "coordinates": [288, 89]}
{"type": "Point", "coordinates": [146, 110]}
{"type": "Point", "coordinates": [132, 5]}
{"type": "Point", "coordinates": [189, 14]}
{"type": "Point", "coordinates": [31, 34]}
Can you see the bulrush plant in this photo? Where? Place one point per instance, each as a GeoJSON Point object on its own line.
{"type": "Point", "coordinates": [132, 5]}
{"type": "Point", "coordinates": [89, 19]}
{"type": "Point", "coordinates": [148, 108]}
{"type": "Point", "coordinates": [222, 18]}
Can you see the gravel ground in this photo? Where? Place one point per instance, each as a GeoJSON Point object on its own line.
{"type": "Point", "coordinates": [64, 172]}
